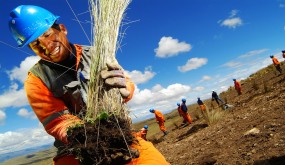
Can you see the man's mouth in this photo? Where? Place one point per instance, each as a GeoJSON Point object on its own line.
{"type": "Point", "coordinates": [55, 51]}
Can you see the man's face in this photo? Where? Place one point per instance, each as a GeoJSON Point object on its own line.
{"type": "Point", "coordinates": [53, 45]}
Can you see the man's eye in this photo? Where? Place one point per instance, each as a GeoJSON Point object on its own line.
{"type": "Point", "coordinates": [47, 35]}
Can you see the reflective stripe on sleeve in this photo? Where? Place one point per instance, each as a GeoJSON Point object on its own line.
{"type": "Point", "coordinates": [54, 116]}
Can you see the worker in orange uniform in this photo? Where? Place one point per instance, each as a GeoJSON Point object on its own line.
{"type": "Point", "coordinates": [201, 104]}
{"type": "Point", "coordinates": [186, 116]}
{"type": "Point", "coordinates": [142, 133]}
{"type": "Point", "coordinates": [276, 63]}
{"type": "Point", "coordinates": [237, 86]}
{"type": "Point", "coordinates": [179, 109]}
{"type": "Point", "coordinates": [57, 85]}
{"type": "Point", "coordinates": [160, 120]}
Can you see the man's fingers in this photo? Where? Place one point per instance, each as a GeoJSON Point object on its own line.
{"type": "Point", "coordinates": [113, 73]}
{"type": "Point", "coordinates": [116, 82]}
{"type": "Point", "coordinates": [124, 92]}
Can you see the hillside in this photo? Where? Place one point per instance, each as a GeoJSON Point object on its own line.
{"type": "Point", "coordinates": [251, 132]}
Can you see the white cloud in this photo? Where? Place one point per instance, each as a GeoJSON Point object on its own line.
{"type": "Point", "coordinates": [232, 21]}
{"type": "Point", "coordinates": [138, 77]}
{"type": "Point", "coordinates": [13, 97]}
{"type": "Point", "coordinates": [20, 73]}
{"type": "Point", "coordinates": [193, 63]}
{"type": "Point", "coordinates": [158, 97]}
{"type": "Point", "coordinates": [26, 114]}
{"type": "Point", "coordinates": [232, 64]}
{"type": "Point", "coordinates": [206, 78]}
{"type": "Point", "coordinates": [200, 88]}
{"type": "Point", "coordinates": [168, 47]}
{"type": "Point", "coordinates": [24, 138]}
{"type": "Point", "coordinates": [253, 53]}
{"type": "Point", "coordinates": [2, 117]}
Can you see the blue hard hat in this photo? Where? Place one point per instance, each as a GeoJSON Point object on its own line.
{"type": "Point", "coordinates": [183, 100]}
{"type": "Point", "coordinates": [234, 79]}
{"type": "Point", "coordinates": [28, 22]}
{"type": "Point", "coordinates": [145, 127]}
{"type": "Point", "coordinates": [151, 110]}
{"type": "Point", "coordinates": [178, 104]}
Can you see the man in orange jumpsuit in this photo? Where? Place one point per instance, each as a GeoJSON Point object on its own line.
{"type": "Point", "coordinates": [237, 86]}
{"type": "Point", "coordinates": [276, 63]}
{"type": "Point", "coordinates": [201, 104]}
{"type": "Point", "coordinates": [186, 116]}
{"type": "Point", "coordinates": [179, 109]}
{"type": "Point", "coordinates": [57, 85]}
{"type": "Point", "coordinates": [160, 120]}
{"type": "Point", "coordinates": [142, 133]}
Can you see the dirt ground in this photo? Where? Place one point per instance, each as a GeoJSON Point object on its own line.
{"type": "Point", "coordinates": [251, 132]}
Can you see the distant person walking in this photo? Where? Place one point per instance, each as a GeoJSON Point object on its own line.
{"type": "Point", "coordinates": [184, 110]}
{"type": "Point", "coordinates": [142, 133]}
{"type": "Point", "coordinates": [216, 97]}
{"type": "Point", "coordinates": [283, 54]}
{"type": "Point", "coordinates": [160, 120]}
{"type": "Point", "coordinates": [201, 104]}
{"type": "Point", "coordinates": [276, 63]}
{"type": "Point", "coordinates": [237, 86]}
{"type": "Point", "coordinates": [179, 109]}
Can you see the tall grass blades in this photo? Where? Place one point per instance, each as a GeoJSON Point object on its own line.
{"type": "Point", "coordinates": [106, 16]}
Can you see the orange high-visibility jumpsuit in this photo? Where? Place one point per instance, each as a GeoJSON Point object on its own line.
{"type": "Point", "coordinates": [45, 105]}
{"type": "Point", "coordinates": [238, 87]}
{"type": "Point", "coordinates": [179, 110]}
{"type": "Point", "coordinates": [160, 119]}
{"type": "Point", "coordinates": [277, 64]}
{"type": "Point", "coordinates": [186, 116]}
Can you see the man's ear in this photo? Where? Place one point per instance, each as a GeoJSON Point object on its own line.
{"type": "Point", "coordinates": [63, 29]}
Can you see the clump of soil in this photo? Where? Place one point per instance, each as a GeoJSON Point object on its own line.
{"type": "Point", "coordinates": [103, 142]}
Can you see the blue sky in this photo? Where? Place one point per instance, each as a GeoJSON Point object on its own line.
{"type": "Point", "coordinates": [170, 49]}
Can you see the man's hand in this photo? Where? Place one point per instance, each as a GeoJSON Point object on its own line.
{"type": "Point", "coordinates": [114, 78]}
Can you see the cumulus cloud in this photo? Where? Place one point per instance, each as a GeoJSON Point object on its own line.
{"type": "Point", "coordinates": [24, 138]}
{"type": "Point", "coordinates": [157, 97]}
{"type": "Point", "coordinates": [169, 46]}
{"type": "Point", "coordinates": [2, 117]}
{"type": "Point", "coordinates": [20, 73]}
{"type": "Point", "coordinates": [26, 114]}
{"type": "Point", "coordinates": [193, 63]}
{"type": "Point", "coordinates": [232, 21]}
{"type": "Point", "coordinates": [13, 97]}
{"type": "Point", "coordinates": [138, 77]}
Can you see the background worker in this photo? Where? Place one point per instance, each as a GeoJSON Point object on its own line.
{"type": "Point", "coordinates": [142, 133]}
{"type": "Point", "coordinates": [54, 88]}
{"type": "Point", "coordinates": [179, 109]}
{"type": "Point", "coordinates": [283, 54]}
{"type": "Point", "coordinates": [276, 63]}
{"type": "Point", "coordinates": [216, 97]}
{"type": "Point", "coordinates": [201, 104]}
{"type": "Point", "coordinates": [160, 120]}
{"type": "Point", "coordinates": [186, 116]}
{"type": "Point", "coordinates": [237, 86]}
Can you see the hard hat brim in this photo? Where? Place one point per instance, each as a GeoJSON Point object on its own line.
{"type": "Point", "coordinates": [38, 33]}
